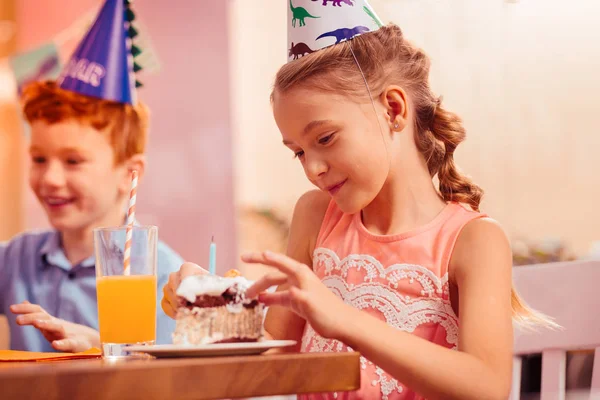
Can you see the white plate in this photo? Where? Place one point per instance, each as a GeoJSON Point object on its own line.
{"type": "Point", "coordinates": [211, 350]}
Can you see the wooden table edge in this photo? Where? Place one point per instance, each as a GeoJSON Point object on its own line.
{"type": "Point", "coordinates": [198, 378]}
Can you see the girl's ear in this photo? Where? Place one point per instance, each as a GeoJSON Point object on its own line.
{"type": "Point", "coordinates": [395, 101]}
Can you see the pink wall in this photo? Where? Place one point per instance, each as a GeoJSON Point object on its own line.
{"type": "Point", "coordinates": [41, 20]}
{"type": "Point", "coordinates": [188, 190]}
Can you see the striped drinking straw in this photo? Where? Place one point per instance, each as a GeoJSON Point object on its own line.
{"type": "Point", "coordinates": [130, 219]}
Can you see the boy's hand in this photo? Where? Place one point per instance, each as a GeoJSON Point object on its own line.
{"type": "Point", "coordinates": [63, 335]}
{"type": "Point", "coordinates": [170, 302]}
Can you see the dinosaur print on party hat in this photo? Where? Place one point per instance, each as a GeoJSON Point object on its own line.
{"type": "Point", "coordinates": [316, 24]}
{"type": "Point", "coordinates": [299, 14]}
{"type": "Point", "coordinates": [344, 33]}
{"type": "Point", "coordinates": [299, 50]}
{"type": "Point", "coordinates": [338, 2]}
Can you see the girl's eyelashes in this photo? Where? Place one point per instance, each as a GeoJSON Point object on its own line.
{"type": "Point", "coordinates": [326, 139]}
{"type": "Point", "coordinates": [322, 140]}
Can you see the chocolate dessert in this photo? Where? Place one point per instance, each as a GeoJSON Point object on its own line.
{"type": "Point", "coordinates": [214, 309]}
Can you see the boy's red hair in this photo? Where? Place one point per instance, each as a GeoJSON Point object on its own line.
{"type": "Point", "coordinates": [125, 125]}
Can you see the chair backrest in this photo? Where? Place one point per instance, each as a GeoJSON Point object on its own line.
{"type": "Point", "coordinates": [569, 293]}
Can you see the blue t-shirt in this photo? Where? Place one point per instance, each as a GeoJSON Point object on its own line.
{"type": "Point", "coordinates": [33, 267]}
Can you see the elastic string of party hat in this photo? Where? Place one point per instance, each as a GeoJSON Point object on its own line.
{"type": "Point", "coordinates": [387, 153]}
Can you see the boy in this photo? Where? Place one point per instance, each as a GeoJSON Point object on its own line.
{"type": "Point", "coordinates": [88, 133]}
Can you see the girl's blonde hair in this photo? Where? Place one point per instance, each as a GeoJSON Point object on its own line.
{"type": "Point", "coordinates": [385, 57]}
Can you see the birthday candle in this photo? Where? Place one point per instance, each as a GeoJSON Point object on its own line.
{"type": "Point", "coordinates": [212, 261]}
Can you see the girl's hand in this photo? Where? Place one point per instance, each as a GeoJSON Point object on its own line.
{"type": "Point", "coordinates": [306, 294]}
{"type": "Point", "coordinates": [63, 335]}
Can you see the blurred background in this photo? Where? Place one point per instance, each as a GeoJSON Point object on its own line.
{"type": "Point", "coordinates": [522, 74]}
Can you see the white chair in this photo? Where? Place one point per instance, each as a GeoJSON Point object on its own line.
{"type": "Point", "coordinates": [570, 293]}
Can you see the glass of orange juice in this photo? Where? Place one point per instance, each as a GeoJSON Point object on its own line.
{"type": "Point", "coordinates": [126, 303]}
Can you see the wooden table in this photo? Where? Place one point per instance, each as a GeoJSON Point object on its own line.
{"type": "Point", "coordinates": [197, 378]}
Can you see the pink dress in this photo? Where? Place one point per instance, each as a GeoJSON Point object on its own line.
{"type": "Point", "coordinates": [401, 279]}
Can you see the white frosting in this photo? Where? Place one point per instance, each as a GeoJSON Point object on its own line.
{"type": "Point", "coordinates": [210, 285]}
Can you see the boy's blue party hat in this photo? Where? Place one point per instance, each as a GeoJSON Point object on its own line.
{"type": "Point", "coordinates": [103, 64]}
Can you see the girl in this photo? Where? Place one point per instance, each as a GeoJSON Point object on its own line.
{"type": "Point", "coordinates": [379, 261]}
